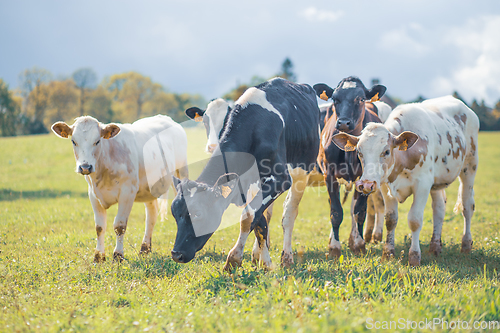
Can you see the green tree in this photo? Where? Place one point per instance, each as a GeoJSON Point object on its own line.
{"type": "Point", "coordinates": [287, 70]}
{"type": "Point", "coordinates": [9, 111]}
{"type": "Point", "coordinates": [85, 79]}
{"type": "Point", "coordinates": [486, 119]}
{"type": "Point", "coordinates": [62, 102]}
{"type": "Point", "coordinates": [33, 87]}
{"type": "Point", "coordinates": [98, 105]}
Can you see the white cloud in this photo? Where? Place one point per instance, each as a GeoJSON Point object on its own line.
{"type": "Point", "coordinates": [315, 15]}
{"type": "Point", "coordinates": [408, 40]}
{"type": "Point", "coordinates": [478, 72]}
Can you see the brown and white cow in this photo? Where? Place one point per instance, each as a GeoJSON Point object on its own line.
{"type": "Point", "coordinates": [122, 163]}
{"type": "Point", "coordinates": [421, 149]}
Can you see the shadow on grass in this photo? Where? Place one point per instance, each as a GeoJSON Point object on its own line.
{"type": "Point", "coordinates": [10, 195]}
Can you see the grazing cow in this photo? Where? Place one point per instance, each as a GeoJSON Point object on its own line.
{"type": "Point", "coordinates": [118, 169]}
{"type": "Point", "coordinates": [276, 123]}
{"type": "Point", "coordinates": [352, 114]}
{"type": "Point", "coordinates": [421, 149]}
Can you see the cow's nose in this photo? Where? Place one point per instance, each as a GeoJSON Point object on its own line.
{"type": "Point", "coordinates": [177, 256]}
{"type": "Point", "coordinates": [343, 125]}
{"type": "Point", "coordinates": [85, 169]}
{"type": "Point", "coordinates": [366, 187]}
{"type": "Point", "coordinates": [211, 148]}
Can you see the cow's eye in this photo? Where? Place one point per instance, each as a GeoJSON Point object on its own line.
{"type": "Point", "coordinates": [97, 142]}
{"type": "Point", "coordinates": [386, 153]}
{"type": "Point", "coordinates": [74, 143]}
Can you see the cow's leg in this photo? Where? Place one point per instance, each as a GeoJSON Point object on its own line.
{"type": "Point", "coordinates": [391, 221]}
{"type": "Point", "coordinates": [262, 235]}
{"type": "Point", "coordinates": [378, 202]}
{"type": "Point", "coordinates": [290, 212]}
{"type": "Point", "coordinates": [370, 219]}
{"type": "Point", "coordinates": [256, 251]}
{"type": "Point", "coordinates": [358, 215]}
{"type": "Point", "coordinates": [415, 221]}
{"type": "Point", "coordinates": [100, 227]}
{"type": "Point", "coordinates": [120, 224]}
{"type": "Point", "coordinates": [235, 256]}
{"type": "Point", "coordinates": [465, 201]}
{"type": "Point", "coordinates": [151, 217]}
{"type": "Point", "coordinates": [438, 212]}
{"type": "Point", "coordinates": [336, 215]}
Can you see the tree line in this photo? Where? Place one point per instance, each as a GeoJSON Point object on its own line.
{"type": "Point", "coordinates": [42, 100]}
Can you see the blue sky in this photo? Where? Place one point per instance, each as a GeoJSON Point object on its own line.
{"type": "Point", "coordinates": [427, 47]}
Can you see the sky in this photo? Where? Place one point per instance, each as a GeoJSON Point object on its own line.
{"type": "Point", "coordinates": [427, 47]}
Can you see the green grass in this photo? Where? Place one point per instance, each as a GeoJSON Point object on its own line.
{"type": "Point", "coordinates": [49, 283]}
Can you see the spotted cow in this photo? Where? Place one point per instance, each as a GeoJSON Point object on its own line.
{"type": "Point", "coordinates": [276, 123]}
{"type": "Point", "coordinates": [421, 149]}
{"type": "Point", "coordinates": [119, 168]}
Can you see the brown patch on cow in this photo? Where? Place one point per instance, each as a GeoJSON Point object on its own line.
{"type": "Point", "coordinates": [444, 159]}
{"type": "Point", "coordinates": [472, 147]}
{"type": "Point", "coordinates": [460, 149]}
{"type": "Point", "coordinates": [98, 230]}
{"type": "Point", "coordinates": [408, 160]}
{"type": "Point", "coordinates": [439, 138]}
{"type": "Point", "coordinates": [391, 220]}
{"type": "Point", "coordinates": [119, 231]}
{"type": "Point", "coordinates": [474, 167]}
{"type": "Point", "coordinates": [414, 225]}
{"type": "Point", "coordinates": [447, 170]}
{"type": "Point", "coordinates": [449, 152]}
{"type": "Point", "coordinates": [246, 221]}
{"type": "Point", "coordinates": [450, 139]}
{"type": "Point", "coordinates": [99, 257]}
{"type": "Point", "coordinates": [437, 187]}
{"type": "Point", "coordinates": [461, 120]}
{"type": "Point", "coordinates": [465, 170]}
{"type": "Point", "coordinates": [145, 248]}
{"type": "Point", "coordinates": [435, 160]}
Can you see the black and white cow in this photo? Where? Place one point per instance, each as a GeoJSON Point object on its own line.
{"type": "Point", "coordinates": [277, 124]}
{"type": "Point", "coordinates": [352, 112]}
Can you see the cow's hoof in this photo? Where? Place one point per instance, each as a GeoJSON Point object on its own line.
{"type": "Point", "coordinates": [388, 254]}
{"type": "Point", "coordinates": [466, 246]}
{"type": "Point", "coordinates": [118, 257]}
{"type": "Point", "coordinates": [231, 264]}
{"type": "Point", "coordinates": [145, 248]}
{"type": "Point", "coordinates": [333, 253]}
{"type": "Point", "coordinates": [414, 258]}
{"type": "Point", "coordinates": [99, 257]}
{"type": "Point", "coordinates": [286, 259]}
{"type": "Point", "coordinates": [377, 237]}
{"type": "Point", "coordinates": [368, 237]}
{"type": "Point", "coordinates": [435, 247]}
{"type": "Point", "coordinates": [357, 246]}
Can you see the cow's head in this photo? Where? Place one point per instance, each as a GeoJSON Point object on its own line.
{"type": "Point", "coordinates": [349, 100]}
{"type": "Point", "coordinates": [198, 210]}
{"type": "Point", "coordinates": [213, 119]}
{"type": "Point", "coordinates": [375, 148]}
{"type": "Point", "coordinates": [86, 135]}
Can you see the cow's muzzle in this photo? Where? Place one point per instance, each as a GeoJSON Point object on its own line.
{"type": "Point", "coordinates": [366, 187]}
{"type": "Point", "coordinates": [85, 169]}
{"type": "Point", "coordinates": [178, 257]}
{"type": "Point", "coordinates": [343, 125]}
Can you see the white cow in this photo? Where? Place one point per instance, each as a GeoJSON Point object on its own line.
{"type": "Point", "coordinates": [118, 161]}
{"type": "Point", "coordinates": [421, 149]}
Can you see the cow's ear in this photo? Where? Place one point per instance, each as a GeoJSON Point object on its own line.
{"type": "Point", "coordinates": [226, 184]}
{"type": "Point", "coordinates": [195, 113]}
{"type": "Point", "coordinates": [405, 140]}
{"type": "Point", "coordinates": [109, 131]}
{"type": "Point", "coordinates": [62, 130]}
{"type": "Point", "coordinates": [176, 181]}
{"type": "Point", "coordinates": [376, 92]}
{"type": "Point", "coordinates": [323, 91]}
{"type": "Point", "coordinates": [345, 141]}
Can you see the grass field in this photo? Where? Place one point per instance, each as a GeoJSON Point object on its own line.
{"type": "Point", "coordinates": [49, 283]}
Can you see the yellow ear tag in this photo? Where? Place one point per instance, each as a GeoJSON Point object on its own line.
{"type": "Point", "coordinates": [323, 96]}
{"type": "Point", "coordinates": [349, 146]}
{"type": "Point", "coordinates": [375, 98]}
{"type": "Point", "coordinates": [198, 118]}
{"type": "Point", "coordinates": [226, 190]}
{"type": "Point", "coordinates": [404, 146]}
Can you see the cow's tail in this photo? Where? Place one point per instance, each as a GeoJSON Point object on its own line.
{"type": "Point", "coordinates": [459, 206]}
{"type": "Point", "coordinates": [347, 190]}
